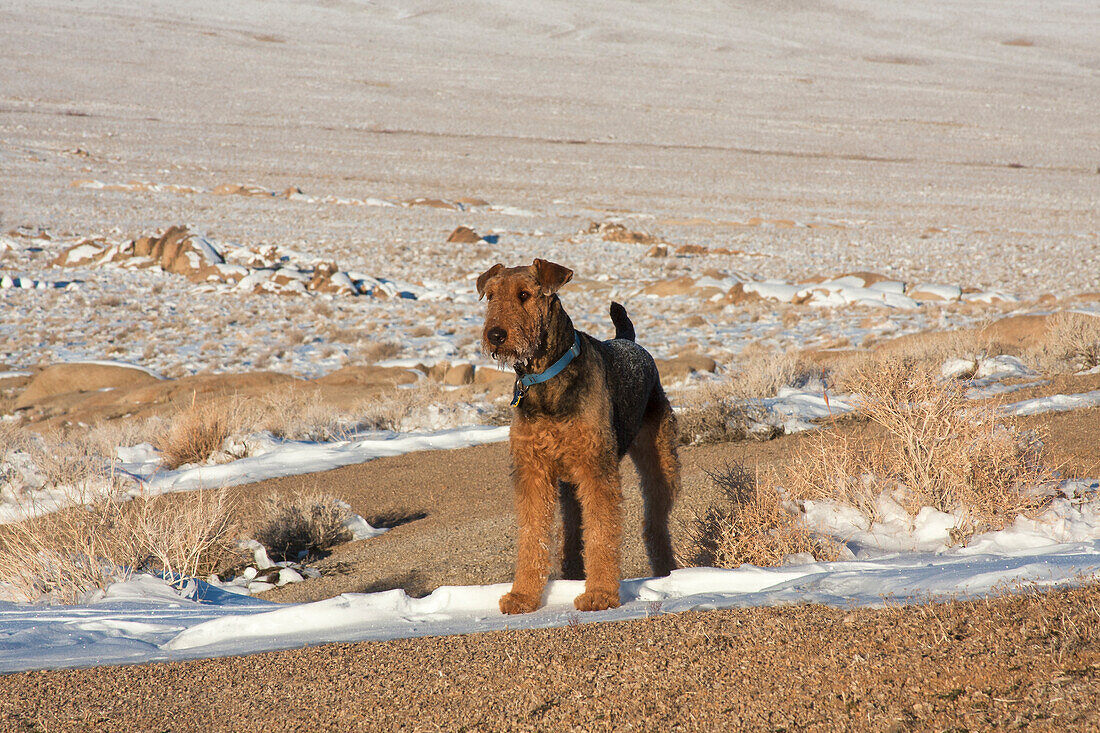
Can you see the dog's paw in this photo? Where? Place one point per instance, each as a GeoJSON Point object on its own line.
{"type": "Point", "coordinates": [512, 603]}
{"type": "Point", "coordinates": [597, 600]}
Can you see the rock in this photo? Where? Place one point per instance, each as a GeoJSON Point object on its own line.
{"type": "Point", "coordinates": [692, 249]}
{"type": "Point", "coordinates": [431, 203]}
{"type": "Point", "coordinates": [82, 254]}
{"type": "Point", "coordinates": [364, 376]}
{"type": "Point", "coordinates": [239, 189]}
{"type": "Point", "coordinates": [489, 375]}
{"type": "Point", "coordinates": [64, 378]}
{"type": "Point", "coordinates": [737, 295]}
{"type": "Point", "coordinates": [956, 368]}
{"type": "Point", "coordinates": [657, 250]}
{"type": "Point", "coordinates": [930, 292]}
{"type": "Point", "coordinates": [464, 235]}
{"type": "Point", "coordinates": [459, 374]}
{"type": "Point", "coordinates": [328, 278]}
{"type": "Point", "coordinates": [679, 286]}
{"type": "Point", "coordinates": [683, 365]}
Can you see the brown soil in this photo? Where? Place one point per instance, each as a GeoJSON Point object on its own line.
{"type": "Point", "coordinates": [1019, 661]}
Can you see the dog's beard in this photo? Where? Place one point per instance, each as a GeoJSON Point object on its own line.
{"type": "Point", "coordinates": [520, 349]}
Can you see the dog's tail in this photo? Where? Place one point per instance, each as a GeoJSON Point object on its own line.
{"type": "Point", "coordinates": [624, 329]}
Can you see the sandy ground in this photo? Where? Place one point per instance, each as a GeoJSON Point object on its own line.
{"type": "Point", "coordinates": [1013, 662]}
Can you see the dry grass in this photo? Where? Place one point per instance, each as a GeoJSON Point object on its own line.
{"type": "Point", "coordinates": [719, 412]}
{"type": "Point", "coordinates": [924, 352]}
{"type": "Point", "coordinates": [1072, 344]}
{"type": "Point", "coordinates": [197, 433]}
{"type": "Point", "coordinates": [749, 524]}
{"type": "Point", "coordinates": [185, 536]}
{"type": "Point", "coordinates": [65, 555]}
{"type": "Point", "coordinates": [77, 462]}
{"type": "Point", "coordinates": [302, 524]}
{"type": "Point", "coordinates": [936, 449]}
{"type": "Point", "coordinates": [375, 351]}
{"type": "Point", "coordinates": [301, 416]}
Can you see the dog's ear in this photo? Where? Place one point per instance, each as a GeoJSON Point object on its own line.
{"type": "Point", "coordinates": [485, 277]}
{"type": "Point", "coordinates": [551, 276]}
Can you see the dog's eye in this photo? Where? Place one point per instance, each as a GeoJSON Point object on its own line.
{"type": "Point", "coordinates": [488, 296]}
{"type": "Point", "coordinates": [523, 296]}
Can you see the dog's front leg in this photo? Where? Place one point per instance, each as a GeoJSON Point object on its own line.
{"type": "Point", "coordinates": [535, 497]}
{"type": "Point", "coordinates": [600, 493]}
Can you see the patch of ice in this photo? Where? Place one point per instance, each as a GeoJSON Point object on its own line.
{"type": "Point", "coordinates": [1053, 403]}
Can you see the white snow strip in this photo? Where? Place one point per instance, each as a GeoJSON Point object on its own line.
{"type": "Point", "coordinates": [133, 624]}
{"type": "Point", "coordinates": [898, 558]}
{"type": "Point", "coordinates": [294, 458]}
{"type": "Point", "coordinates": [122, 364]}
{"type": "Point", "coordinates": [1053, 403]}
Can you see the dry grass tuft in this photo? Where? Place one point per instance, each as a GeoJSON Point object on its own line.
{"type": "Point", "coordinates": [375, 351]}
{"type": "Point", "coordinates": [188, 535]}
{"type": "Point", "coordinates": [63, 556]}
{"type": "Point", "coordinates": [197, 433]}
{"type": "Point", "coordinates": [1072, 344]}
{"type": "Point", "coordinates": [750, 524]}
{"type": "Point", "coordinates": [720, 412]}
{"type": "Point", "coordinates": [302, 524]}
{"type": "Point", "coordinates": [302, 416]}
{"type": "Point", "coordinates": [937, 449]}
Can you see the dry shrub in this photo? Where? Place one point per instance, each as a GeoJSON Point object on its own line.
{"type": "Point", "coordinates": [379, 351]}
{"type": "Point", "coordinates": [65, 555]}
{"type": "Point", "coordinates": [79, 462]}
{"type": "Point", "coordinates": [303, 523]}
{"type": "Point", "coordinates": [923, 352]}
{"type": "Point", "coordinates": [197, 433]}
{"type": "Point", "coordinates": [937, 449]}
{"type": "Point", "coordinates": [711, 414]}
{"type": "Point", "coordinates": [188, 535]}
{"type": "Point", "coordinates": [749, 524]}
{"type": "Point", "coordinates": [719, 412]}
{"type": "Point", "coordinates": [302, 416]}
{"type": "Point", "coordinates": [397, 409]}
{"type": "Point", "coordinates": [1072, 344]}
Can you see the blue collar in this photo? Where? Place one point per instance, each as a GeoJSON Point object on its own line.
{"type": "Point", "coordinates": [525, 382]}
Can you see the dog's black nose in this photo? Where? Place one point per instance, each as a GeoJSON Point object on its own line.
{"type": "Point", "coordinates": [496, 335]}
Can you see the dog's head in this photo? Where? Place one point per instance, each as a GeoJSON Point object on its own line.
{"type": "Point", "coordinates": [520, 302]}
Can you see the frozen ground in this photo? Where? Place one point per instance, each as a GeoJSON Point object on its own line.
{"type": "Point", "coordinates": [144, 619]}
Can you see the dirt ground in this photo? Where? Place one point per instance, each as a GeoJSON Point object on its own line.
{"type": "Point", "coordinates": [1019, 661]}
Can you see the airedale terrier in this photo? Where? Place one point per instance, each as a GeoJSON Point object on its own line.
{"type": "Point", "coordinates": [580, 405]}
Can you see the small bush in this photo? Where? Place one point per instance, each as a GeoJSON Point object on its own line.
{"type": "Point", "coordinates": [751, 524]}
{"type": "Point", "coordinates": [711, 415]}
{"type": "Point", "coordinates": [1072, 344]}
{"type": "Point", "coordinates": [302, 524]}
{"type": "Point", "coordinates": [375, 351]}
{"type": "Point", "coordinates": [196, 434]}
{"type": "Point", "coordinates": [63, 556]}
{"type": "Point", "coordinates": [936, 449]}
{"type": "Point", "coordinates": [720, 412]}
{"type": "Point", "coordinates": [189, 535]}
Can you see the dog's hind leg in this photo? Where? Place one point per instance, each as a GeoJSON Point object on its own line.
{"type": "Point", "coordinates": [654, 455]}
{"type": "Point", "coordinates": [572, 543]}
